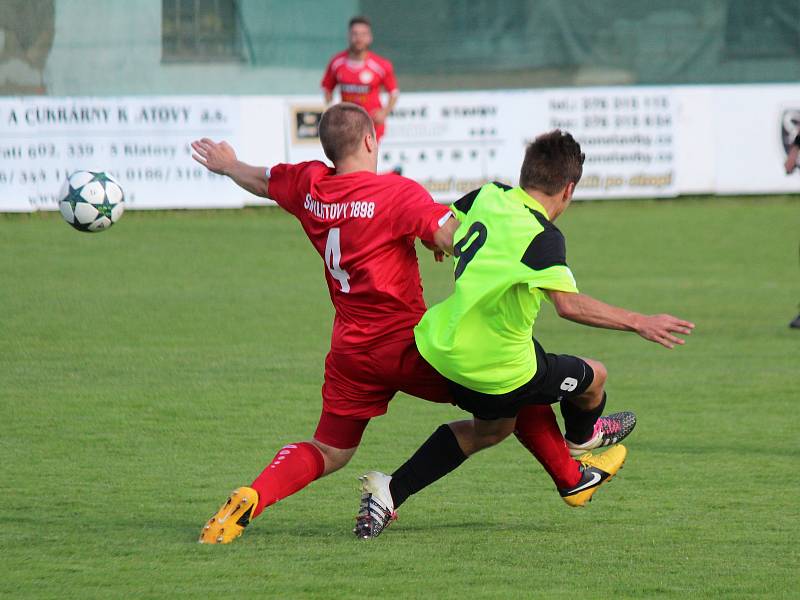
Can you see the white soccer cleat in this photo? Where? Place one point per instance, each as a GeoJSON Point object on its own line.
{"type": "Point", "coordinates": [376, 509]}
{"type": "Point", "coordinates": [608, 430]}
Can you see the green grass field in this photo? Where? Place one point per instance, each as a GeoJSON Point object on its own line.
{"type": "Point", "coordinates": [148, 370]}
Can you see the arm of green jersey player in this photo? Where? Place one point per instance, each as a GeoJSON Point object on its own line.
{"type": "Point", "coordinates": [220, 158]}
{"type": "Point", "coordinates": [590, 311]}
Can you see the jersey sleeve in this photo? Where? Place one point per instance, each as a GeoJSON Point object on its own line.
{"type": "Point", "coordinates": [288, 184]}
{"type": "Point", "coordinates": [546, 259]}
{"type": "Point", "coordinates": [461, 206]}
{"type": "Point", "coordinates": [328, 82]}
{"type": "Point", "coordinates": [389, 80]}
{"type": "Point", "coordinates": [415, 214]}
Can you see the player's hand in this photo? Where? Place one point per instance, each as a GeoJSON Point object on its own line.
{"type": "Point", "coordinates": [790, 164]}
{"type": "Point", "coordinates": [217, 157]}
{"type": "Point", "coordinates": [661, 329]}
{"type": "Point", "coordinates": [438, 254]}
{"type": "Point", "coordinates": [379, 116]}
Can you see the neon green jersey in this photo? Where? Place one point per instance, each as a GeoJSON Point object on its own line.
{"type": "Point", "coordinates": [507, 252]}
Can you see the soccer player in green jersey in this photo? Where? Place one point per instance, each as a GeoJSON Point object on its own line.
{"type": "Point", "coordinates": [509, 257]}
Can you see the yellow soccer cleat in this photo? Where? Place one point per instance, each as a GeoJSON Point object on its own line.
{"type": "Point", "coordinates": [231, 519]}
{"type": "Point", "coordinates": [595, 471]}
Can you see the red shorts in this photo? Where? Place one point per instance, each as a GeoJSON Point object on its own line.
{"type": "Point", "coordinates": [379, 131]}
{"type": "Point", "coordinates": [359, 386]}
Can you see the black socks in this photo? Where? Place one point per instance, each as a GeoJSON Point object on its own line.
{"type": "Point", "coordinates": [579, 424]}
{"type": "Point", "coordinates": [439, 455]}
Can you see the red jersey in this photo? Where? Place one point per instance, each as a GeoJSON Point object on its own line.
{"type": "Point", "coordinates": [360, 81]}
{"type": "Point", "coordinates": [363, 225]}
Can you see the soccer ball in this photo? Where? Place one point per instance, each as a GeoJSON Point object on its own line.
{"type": "Point", "coordinates": [91, 200]}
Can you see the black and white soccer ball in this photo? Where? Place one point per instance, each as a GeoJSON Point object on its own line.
{"type": "Point", "coordinates": [91, 200]}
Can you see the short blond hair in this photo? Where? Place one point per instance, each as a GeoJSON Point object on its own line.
{"type": "Point", "coordinates": [342, 128]}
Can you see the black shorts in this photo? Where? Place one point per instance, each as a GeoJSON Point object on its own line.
{"type": "Point", "coordinates": [557, 376]}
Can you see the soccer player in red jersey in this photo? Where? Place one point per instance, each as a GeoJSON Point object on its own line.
{"type": "Point", "coordinates": [360, 74]}
{"type": "Point", "coordinates": [363, 225]}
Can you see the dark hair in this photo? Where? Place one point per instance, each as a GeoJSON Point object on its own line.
{"type": "Point", "coordinates": [341, 129]}
{"type": "Point", "coordinates": [360, 20]}
{"type": "Point", "coordinates": [552, 161]}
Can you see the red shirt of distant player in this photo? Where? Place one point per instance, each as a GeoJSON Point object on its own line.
{"type": "Point", "coordinates": [363, 225]}
{"type": "Point", "coordinates": [360, 81]}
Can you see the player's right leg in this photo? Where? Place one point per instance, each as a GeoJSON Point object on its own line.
{"type": "Point", "coordinates": [578, 385]}
{"type": "Point", "coordinates": [448, 447]}
{"type": "Point", "coordinates": [583, 399]}
{"type": "Point", "coordinates": [537, 428]}
{"type": "Point", "coordinates": [351, 396]}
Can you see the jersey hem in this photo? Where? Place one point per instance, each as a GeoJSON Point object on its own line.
{"type": "Point", "coordinates": [401, 335]}
{"type": "Point", "coordinates": [468, 383]}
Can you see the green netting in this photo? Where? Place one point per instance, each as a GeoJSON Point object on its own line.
{"type": "Point", "coordinates": [277, 46]}
{"type": "Point", "coordinates": [549, 42]}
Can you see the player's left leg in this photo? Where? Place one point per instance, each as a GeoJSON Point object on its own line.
{"type": "Point", "coordinates": [795, 323]}
{"type": "Point", "coordinates": [448, 447]}
{"type": "Point", "coordinates": [536, 428]}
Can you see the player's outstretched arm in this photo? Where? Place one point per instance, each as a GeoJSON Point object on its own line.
{"type": "Point", "coordinates": [791, 159]}
{"type": "Point", "coordinates": [220, 158]}
{"type": "Point", "coordinates": [589, 311]}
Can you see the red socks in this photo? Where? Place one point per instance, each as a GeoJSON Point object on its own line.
{"type": "Point", "coordinates": [537, 430]}
{"type": "Point", "coordinates": [292, 469]}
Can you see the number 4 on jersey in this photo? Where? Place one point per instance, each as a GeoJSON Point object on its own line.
{"type": "Point", "coordinates": [333, 257]}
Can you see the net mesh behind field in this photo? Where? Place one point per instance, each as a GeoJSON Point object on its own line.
{"type": "Point", "coordinates": [62, 47]}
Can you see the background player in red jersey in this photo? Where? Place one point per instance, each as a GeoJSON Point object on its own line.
{"type": "Point", "coordinates": [360, 74]}
{"type": "Point", "coordinates": [363, 225]}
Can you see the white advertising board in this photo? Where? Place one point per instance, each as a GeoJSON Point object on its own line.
{"type": "Point", "coordinates": [143, 141]}
{"type": "Point", "coordinates": [627, 134]}
{"type": "Point", "coordinates": [639, 141]}
{"type": "Point", "coordinates": [454, 142]}
{"type": "Point", "coordinates": [694, 149]}
{"type": "Point", "coordinates": [753, 127]}
{"type": "Point", "coordinates": [261, 139]}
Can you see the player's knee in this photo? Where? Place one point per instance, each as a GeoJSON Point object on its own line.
{"type": "Point", "coordinates": [334, 462]}
{"type": "Point", "coordinates": [335, 458]}
{"type": "Point", "coordinates": [492, 436]}
{"type": "Point", "coordinates": [600, 373]}
{"type": "Point", "coordinates": [487, 440]}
